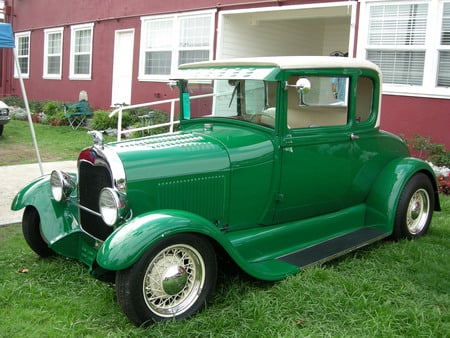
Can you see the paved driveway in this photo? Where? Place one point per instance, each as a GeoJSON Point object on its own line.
{"type": "Point", "coordinates": [15, 177]}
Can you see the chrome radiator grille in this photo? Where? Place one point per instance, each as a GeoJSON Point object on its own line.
{"type": "Point", "coordinates": [92, 179]}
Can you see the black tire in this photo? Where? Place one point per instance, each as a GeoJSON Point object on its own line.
{"type": "Point", "coordinates": [1, 129]}
{"type": "Point", "coordinates": [415, 208]}
{"type": "Point", "coordinates": [31, 228]}
{"type": "Point", "coordinates": [172, 280]}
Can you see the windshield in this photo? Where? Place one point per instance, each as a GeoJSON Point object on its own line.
{"type": "Point", "coordinates": [246, 100]}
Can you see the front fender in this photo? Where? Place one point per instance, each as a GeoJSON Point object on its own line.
{"type": "Point", "coordinates": [127, 244]}
{"type": "Point", "coordinates": [385, 193]}
{"type": "Point", "coordinates": [32, 193]}
{"type": "Point", "coordinates": [57, 219]}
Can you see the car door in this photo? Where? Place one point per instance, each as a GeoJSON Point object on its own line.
{"type": "Point", "coordinates": [317, 150]}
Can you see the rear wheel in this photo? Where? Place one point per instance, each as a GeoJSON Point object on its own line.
{"type": "Point", "coordinates": [415, 208]}
{"type": "Point", "coordinates": [31, 228]}
{"type": "Point", "coordinates": [173, 279]}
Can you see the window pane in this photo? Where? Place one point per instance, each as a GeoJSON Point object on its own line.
{"type": "Point", "coordinates": [159, 34]}
{"type": "Point", "coordinates": [81, 64]}
{"type": "Point", "coordinates": [314, 102]}
{"type": "Point", "coordinates": [54, 43]}
{"type": "Point", "coordinates": [399, 67]}
{"type": "Point", "coordinates": [23, 62]}
{"type": "Point", "coordinates": [445, 36]}
{"type": "Point", "coordinates": [158, 63]}
{"type": "Point", "coordinates": [188, 56]}
{"type": "Point", "coordinates": [23, 46]}
{"type": "Point", "coordinates": [195, 32]}
{"type": "Point", "coordinates": [398, 25]}
{"type": "Point", "coordinates": [83, 41]}
{"type": "Point", "coordinates": [444, 69]}
{"type": "Point", "coordinates": [53, 64]}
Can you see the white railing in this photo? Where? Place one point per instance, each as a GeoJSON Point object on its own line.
{"type": "Point", "coordinates": [121, 109]}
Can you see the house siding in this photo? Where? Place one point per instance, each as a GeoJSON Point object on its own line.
{"type": "Point", "coordinates": [405, 115]}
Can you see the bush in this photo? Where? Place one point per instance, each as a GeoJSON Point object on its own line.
{"type": "Point", "coordinates": [102, 121]}
{"type": "Point", "coordinates": [429, 151]}
{"type": "Point", "coordinates": [151, 117]}
{"type": "Point", "coordinates": [13, 101]}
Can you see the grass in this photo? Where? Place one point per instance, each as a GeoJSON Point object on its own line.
{"type": "Point", "coordinates": [55, 143]}
{"type": "Point", "coordinates": [385, 290]}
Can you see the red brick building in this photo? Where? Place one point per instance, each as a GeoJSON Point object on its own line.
{"type": "Point", "coordinates": [124, 52]}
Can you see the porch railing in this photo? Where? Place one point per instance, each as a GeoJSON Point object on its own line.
{"type": "Point", "coordinates": [122, 108]}
{"type": "Point", "coordinates": [171, 122]}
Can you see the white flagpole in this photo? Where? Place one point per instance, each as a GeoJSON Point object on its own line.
{"type": "Point", "coordinates": [27, 108]}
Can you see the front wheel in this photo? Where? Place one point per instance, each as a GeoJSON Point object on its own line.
{"type": "Point", "coordinates": [173, 279]}
{"type": "Point", "coordinates": [415, 208]}
{"type": "Point", "coordinates": [31, 228]}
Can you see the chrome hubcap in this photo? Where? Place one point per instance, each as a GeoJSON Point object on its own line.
{"type": "Point", "coordinates": [174, 280]}
{"type": "Point", "coordinates": [418, 211]}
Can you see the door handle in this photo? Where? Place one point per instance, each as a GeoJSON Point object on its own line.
{"type": "Point", "coordinates": [354, 137]}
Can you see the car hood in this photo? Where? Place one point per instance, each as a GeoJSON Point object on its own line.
{"type": "Point", "coordinates": [170, 155]}
{"type": "Point", "coordinates": [192, 152]}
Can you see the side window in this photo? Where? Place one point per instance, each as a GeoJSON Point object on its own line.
{"type": "Point", "coordinates": [81, 52]}
{"type": "Point", "coordinates": [317, 101]}
{"type": "Point", "coordinates": [53, 53]}
{"type": "Point", "coordinates": [364, 99]}
{"type": "Point", "coordinates": [23, 54]}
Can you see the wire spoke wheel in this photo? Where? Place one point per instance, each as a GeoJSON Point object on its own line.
{"type": "Point", "coordinates": [173, 280]}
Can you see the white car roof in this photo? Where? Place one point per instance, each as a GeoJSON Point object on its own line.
{"type": "Point", "coordinates": [288, 62]}
{"type": "Point", "coordinates": [259, 68]}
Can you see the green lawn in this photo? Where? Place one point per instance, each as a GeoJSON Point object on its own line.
{"type": "Point", "coordinates": [385, 290]}
{"type": "Point", "coordinates": [55, 143]}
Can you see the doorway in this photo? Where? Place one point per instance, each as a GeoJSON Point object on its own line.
{"type": "Point", "coordinates": [122, 67]}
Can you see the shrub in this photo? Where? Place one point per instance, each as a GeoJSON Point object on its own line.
{"type": "Point", "coordinates": [429, 151]}
{"type": "Point", "coordinates": [156, 117]}
{"type": "Point", "coordinates": [52, 108]}
{"type": "Point", "coordinates": [101, 120]}
{"type": "Point", "coordinates": [13, 101]}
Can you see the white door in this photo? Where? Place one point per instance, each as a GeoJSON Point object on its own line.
{"type": "Point", "coordinates": [122, 67]}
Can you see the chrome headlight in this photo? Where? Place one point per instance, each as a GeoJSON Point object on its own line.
{"type": "Point", "coordinates": [112, 205]}
{"type": "Point", "coordinates": [61, 185]}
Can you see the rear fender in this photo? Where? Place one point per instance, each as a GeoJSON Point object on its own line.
{"type": "Point", "coordinates": [127, 244]}
{"type": "Point", "coordinates": [385, 193]}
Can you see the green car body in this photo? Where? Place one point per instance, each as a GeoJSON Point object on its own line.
{"type": "Point", "coordinates": [267, 169]}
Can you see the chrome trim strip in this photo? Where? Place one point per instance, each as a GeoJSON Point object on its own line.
{"type": "Point", "coordinates": [78, 205]}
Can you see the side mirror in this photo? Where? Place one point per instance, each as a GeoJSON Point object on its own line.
{"type": "Point", "coordinates": [303, 86]}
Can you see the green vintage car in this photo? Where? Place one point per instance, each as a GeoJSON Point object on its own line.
{"type": "Point", "coordinates": [279, 164]}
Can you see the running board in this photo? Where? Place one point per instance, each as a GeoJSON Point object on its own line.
{"type": "Point", "coordinates": [333, 248]}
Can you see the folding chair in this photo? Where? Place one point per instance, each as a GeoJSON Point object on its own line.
{"type": "Point", "coordinates": [77, 113]}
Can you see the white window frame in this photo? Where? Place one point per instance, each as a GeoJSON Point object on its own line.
{"type": "Point", "coordinates": [47, 33]}
{"type": "Point", "coordinates": [431, 47]}
{"type": "Point", "coordinates": [18, 37]}
{"type": "Point", "coordinates": [73, 53]}
{"type": "Point", "coordinates": [173, 41]}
